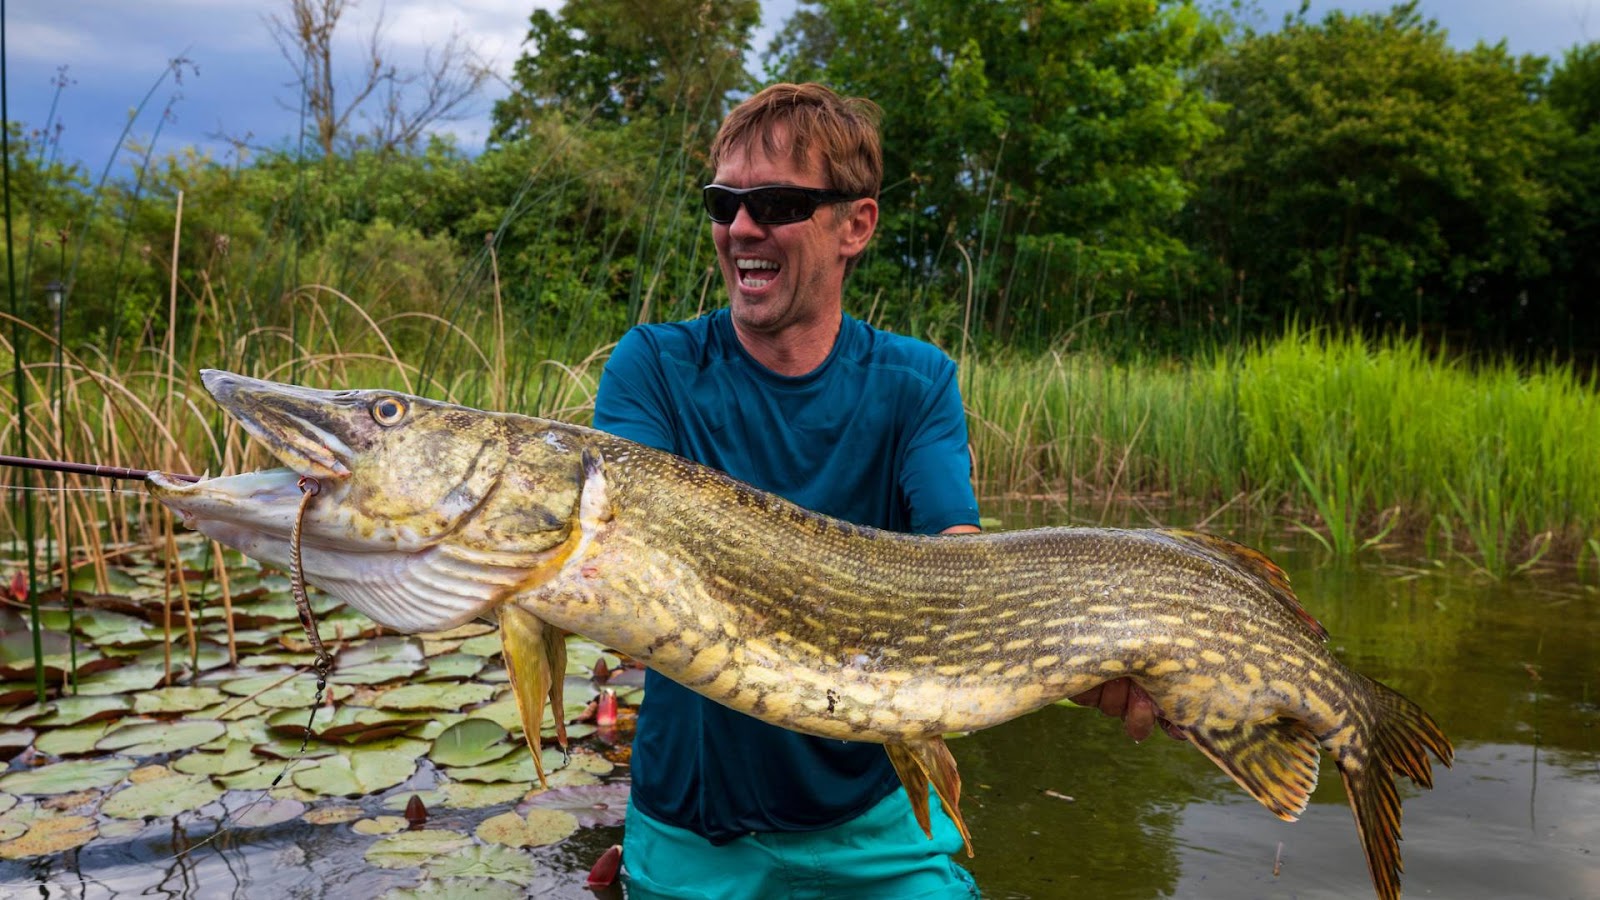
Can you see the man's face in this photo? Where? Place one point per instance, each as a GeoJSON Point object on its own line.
{"type": "Point", "coordinates": [779, 276]}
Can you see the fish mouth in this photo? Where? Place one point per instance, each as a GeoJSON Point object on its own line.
{"type": "Point", "coordinates": [282, 417]}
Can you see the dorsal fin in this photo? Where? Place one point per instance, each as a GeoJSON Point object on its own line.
{"type": "Point", "coordinates": [1254, 563]}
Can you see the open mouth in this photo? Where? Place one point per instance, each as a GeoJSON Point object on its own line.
{"type": "Point", "coordinates": [756, 273]}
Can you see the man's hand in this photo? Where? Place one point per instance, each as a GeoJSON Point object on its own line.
{"type": "Point", "coordinates": [1123, 699]}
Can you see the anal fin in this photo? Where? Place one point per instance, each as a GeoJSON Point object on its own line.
{"type": "Point", "coordinates": [920, 762]}
{"type": "Point", "coordinates": [1275, 760]}
{"type": "Point", "coordinates": [536, 659]}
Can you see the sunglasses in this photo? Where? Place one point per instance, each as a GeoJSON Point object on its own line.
{"type": "Point", "coordinates": [777, 204]}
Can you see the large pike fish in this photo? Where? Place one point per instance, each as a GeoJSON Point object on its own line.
{"type": "Point", "coordinates": [431, 515]}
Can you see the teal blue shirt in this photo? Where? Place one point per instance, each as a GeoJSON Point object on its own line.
{"type": "Point", "coordinates": [876, 435]}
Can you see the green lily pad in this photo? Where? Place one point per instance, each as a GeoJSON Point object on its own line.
{"type": "Point", "coordinates": [379, 661]}
{"type": "Point", "coordinates": [156, 738]}
{"type": "Point", "coordinates": [414, 848]}
{"type": "Point", "coordinates": [470, 795]}
{"type": "Point", "coordinates": [497, 863]}
{"type": "Point", "coordinates": [14, 741]}
{"type": "Point", "coordinates": [289, 748]}
{"type": "Point", "coordinates": [517, 768]}
{"type": "Point", "coordinates": [348, 724]}
{"type": "Point", "coordinates": [237, 757]}
{"type": "Point", "coordinates": [453, 667]}
{"type": "Point", "coordinates": [357, 774]}
{"type": "Point", "coordinates": [50, 836]}
{"type": "Point", "coordinates": [381, 825]}
{"type": "Point", "coordinates": [69, 711]}
{"type": "Point", "coordinates": [261, 777]}
{"type": "Point", "coordinates": [539, 828]}
{"type": "Point", "coordinates": [177, 700]}
{"type": "Point", "coordinates": [438, 723]}
{"type": "Point", "coordinates": [471, 742]}
{"type": "Point", "coordinates": [300, 694]}
{"type": "Point", "coordinates": [454, 888]}
{"type": "Point", "coordinates": [11, 830]}
{"type": "Point", "coordinates": [503, 712]}
{"type": "Point", "coordinates": [487, 645]}
{"type": "Point", "coordinates": [67, 777]}
{"type": "Point", "coordinates": [162, 797]}
{"type": "Point", "coordinates": [7, 803]}
{"type": "Point", "coordinates": [434, 696]}
{"type": "Point", "coordinates": [124, 680]}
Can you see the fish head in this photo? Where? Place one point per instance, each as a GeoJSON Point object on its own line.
{"type": "Point", "coordinates": [408, 522]}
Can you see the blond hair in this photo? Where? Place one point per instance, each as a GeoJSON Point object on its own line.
{"type": "Point", "coordinates": [811, 115]}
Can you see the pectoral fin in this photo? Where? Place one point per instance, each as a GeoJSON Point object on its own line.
{"type": "Point", "coordinates": [536, 659]}
{"type": "Point", "coordinates": [919, 762]}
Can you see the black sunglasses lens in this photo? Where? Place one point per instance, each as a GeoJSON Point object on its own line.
{"type": "Point", "coordinates": [767, 206]}
{"type": "Point", "coordinates": [777, 205]}
{"type": "Point", "coordinates": [722, 205]}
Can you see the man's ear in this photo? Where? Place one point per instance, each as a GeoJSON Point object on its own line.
{"type": "Point", "coordinates": [857, 228]}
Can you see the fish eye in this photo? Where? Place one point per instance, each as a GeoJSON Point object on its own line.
{"type": "Point", "coordinates": [388, 411]}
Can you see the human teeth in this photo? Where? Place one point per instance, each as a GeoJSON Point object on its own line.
{"type": "Point", "coordinates": [755, 264]}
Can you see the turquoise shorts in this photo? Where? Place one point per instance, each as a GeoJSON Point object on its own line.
{"type": "Point", "coordinates": [880, 853]}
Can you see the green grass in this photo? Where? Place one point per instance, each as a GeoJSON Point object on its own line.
{"type": "Point", "coordinates": [1365, 436]}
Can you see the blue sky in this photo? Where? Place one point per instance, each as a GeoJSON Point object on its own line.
{"type": "Point", "coordinates": [238, 84]}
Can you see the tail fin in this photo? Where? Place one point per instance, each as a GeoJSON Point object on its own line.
{"type": "Point", "coordinates": [1402, 736]}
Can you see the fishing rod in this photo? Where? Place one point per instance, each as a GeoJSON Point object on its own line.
{"type": "Point", "coordinates": [56, 465]}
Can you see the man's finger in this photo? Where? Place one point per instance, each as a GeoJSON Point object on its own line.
{"type": "Point", "coordinates": [1140, 718]}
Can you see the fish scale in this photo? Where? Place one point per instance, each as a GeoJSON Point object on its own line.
{"type": "Point", "coordinates": [803, 621]}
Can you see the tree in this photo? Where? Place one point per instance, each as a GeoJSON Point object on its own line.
{"type": "Point", "coordinates": [615, 61]}
{"type": "Point", "coordinates": [1564, 304]}
{"type": "Point", "coordinates": [408, 102]}
{"type": "Point", "coordinates": [1369, 175]}
{"type": "Point", "coordinates": [1044, 138]}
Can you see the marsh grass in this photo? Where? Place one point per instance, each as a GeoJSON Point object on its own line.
{"type": "Point", "coordinates": [1373, 440]}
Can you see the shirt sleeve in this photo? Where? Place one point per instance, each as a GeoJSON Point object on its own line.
{"type": "Point", "coordinates": [632, 401]}
{"type": "Point", "coordinates": [936, 478]}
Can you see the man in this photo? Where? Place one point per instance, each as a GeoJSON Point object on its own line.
{"type": "Point", "coordinates": [784, 391]}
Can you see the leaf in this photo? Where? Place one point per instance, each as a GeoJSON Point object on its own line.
{"type": "Point", "coordinates": [177, 700]}
{"type": "Point", "coordinates": [434, 696]}
{"type": "Point", "coordinates": [14, 741]}
{"type": "Point", "coordinates": [333, 815]}
{"type": "Point", "coordinates": [471, 742]}
{"type": "Point", "coordinates": [50, 836]}
{"type": "Point", "coordinates": [453, 667]}
{"type": "Point", "coordinates": [67, 777]}
{"type": "Point", "coordinates": [82, 710]}
{"type": "Point", "coordinates": [357, 773]}
{"type": "Point", "coordinates": [381, 825]}
{"type": "Point", "coordinates": [237, 757]}
{"type": "Point", "coordinates": [476, 861]}
{"type": "Point", "coordinates": [125, 680]}
{"type": "Point", "coordinates": [414, 848]}
{"type": "Point", "coordinates": [265, 813]}
{"type": "Point", "coordinates": [598, 805]}
{"type": "Point", "coordinates": [537, 829]}
{"type": "Point", "coordinates": [456, 888]}
{"type": "Point", "coordinates": [156, 738]}
{"type": "Point", "coordinates": [162, 797]}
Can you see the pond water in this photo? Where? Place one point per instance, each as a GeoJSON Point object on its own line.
{"type": "Point", "coordinates": [1062, 804]}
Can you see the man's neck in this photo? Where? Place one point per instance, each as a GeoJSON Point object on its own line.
{"type": "Point", "coordinates": [794, 350]}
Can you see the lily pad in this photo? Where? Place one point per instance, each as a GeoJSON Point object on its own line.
{"type": "Point", "coordinates": [124, 680]}
{"type": "Point", "coordinates": [49, 836]}
{"type": "Point", "coordinates": [476, 861]}
{"type": "Point", "coordinates": [69, 711]}
{"type": "Point", "coordinates": [434, 696]}
{"type": "Point", "coordinates": [239, 756]}
{"type": "Point", "coordinates": [357, 774]}
{"type": "Point", "coordinates": [14, 741]}
{"type": "Point", "coordinates": [156, 738]}
{"type": "Point", "coordinates": [414, 848]}
{"type": "Point", "coordinates": [177, 700]}
{"type": "Point", "coordinates": [487, 645]}
{"type": "Point", "coordinates": [597, 805]}
{"type": "Point", "coordinates": [381, 825]}
{"type": "Point", "coordinates": [471, 742]}
{"type": "Point", "coordinates": [379, 661]}
{"type": "Point", "coordinates": [162, 797]}
{"type": "Point", "coordinates": [265, 813]}
{"type": "Point", "coordinates": [333, 815]}
{"type": "Point", "coordinates": [71, 741]}
{"type": "Point", "coordinates": [452, 667]}
{"type": "Point", "coordinates": [454, 888]}
{"type": "Point", "coordinates": [517, 768]}
{"type": "Point", "coordinates": [470, 795]}
{"type": "Point", "coordinates": [67, 777]}
{"type": "Point", "coordinates": [538, 828]}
